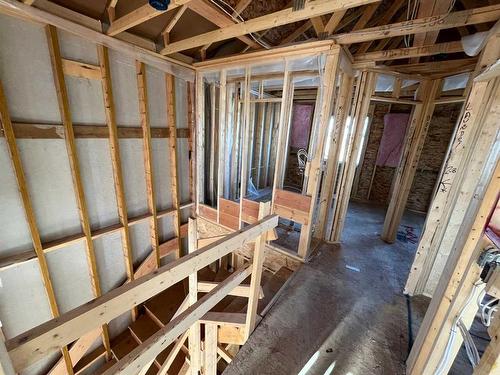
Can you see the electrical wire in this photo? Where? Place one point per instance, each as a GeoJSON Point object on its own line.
{"type": "Point", "coordinates": [238, 19]}
{"type": "Point", "coordinates": [443, 363]}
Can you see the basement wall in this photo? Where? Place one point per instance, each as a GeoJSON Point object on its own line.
{"type": "Point", "coordinates": [25, 72]}
{"type": "Point", "coordinates": [436, 143]}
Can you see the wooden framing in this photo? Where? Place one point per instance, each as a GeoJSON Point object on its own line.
{"type": "Point", "coordinates": [34, 344]}
{"type": "Point", "coordinates": [359, 111]}
{"type": "Point", "coordinates": [194, 337]}
{"type": "Point", "coordinates": [63, 101]}
{"type": "Point", "coordinates": [283, 17]}
{"type": "Point", "coordinates": [422, 25]}
{"type": "Point", "coordinates": [168, 65]}
{"type": "Point", "coordinates": [470, 133]}
{"type": "Point", "coordinates": [174, 175]}
{"type": "Point", "coordinates": [342, 107]}
{"type": "Point", "coordinates": [30, 215]}
{"type": "Point", "coordinates": [414, 143]}
{"type": "Point", "coordinates": [114, 144]}
{"type": "Point", "coordinates": [148, 155]}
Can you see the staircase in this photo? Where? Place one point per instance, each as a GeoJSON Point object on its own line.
{"type": "Point", "coordinates": [159, 310]}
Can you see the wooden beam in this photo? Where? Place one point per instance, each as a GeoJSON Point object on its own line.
{"type": "Point", "coordinates": [56, 131]}
{"type": "Point", "coordinates": [318, 25]}
{"type": "Point", "coordinates": [367, 14]}
{"type": "Point", "coordinates": [429, 8]}
{"type": "Point", "coordinates": [404, 53]}
{"type": "Point", "coordinates": [174, 164]}
{"type": "Point", "coordinates": [414, 143]}
{"type": "Point", "coordinates": [148, 156]}
{"type": "Point", "coordinates": [64, 109]}
{"type": "Point", "coordinates": [168, 65]}
{"type": "Point", "coordinates": [109, 108]}
{"type": "Point", "coordinates": [219, 18]}
{"type": "Point", "coordinates": [36, 343]}
{"type": "Point", "coordinates": [241, 6]}
{"type": "Point", "coordinates": [240, 291]}
{"type": "Point", "coordinates": [334, 21]}
{"type": "Point", "coordinates": [29, 213]}
{"type": "Point", "coordinates": [386, 99]}
{"type": "Point", "coordinates": [147, 351]}
{"type": "Point", "coordinates": [194, 337]}
{"type": "Point", "coordinates": [257, 263]}
{"type": "Point", "coordinates": [384, 19]}
{"type": "Point", "coordinates": [298, 32]}
{"type": "Point", "coordinates": [174, 19]}
{"type": "Point", "coordinates": [313, 166]}
{"type": "Point", "coordinates": [138, 16]}
{"type": "Point", "coordinates": [283, 17]}
{"type": "Point", "coordinates": [80, 70]}
{"type": "Point", "coordinates": [446, 21]}
{"type": "Point", "coordinates": [211, 349]}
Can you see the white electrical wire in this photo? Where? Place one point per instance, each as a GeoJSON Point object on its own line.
{"type": "Point", "coordinates": [443, 363]}
{"type": "Point", "coordinates": [238, 19]}
{"type": "Point", "coordinates": [487, 311]}
{"type": "Point", "coordinates": [470, 346]}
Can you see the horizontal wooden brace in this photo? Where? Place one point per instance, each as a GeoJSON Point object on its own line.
{"type": "Point", "coordinates": [68, 240]}
{"type": "Point", "coordinates": [239, 291]}
{"type": "Point", "coordinates": [28, 347]}
{"type": "Point", "coordinates": [384, 99]}
{"type": "Point", "coordinates": [81, 70]}
{"type": "Point", "coordinates": [24, 130]}
{"type": "Point", "coordinates": [225, 319]}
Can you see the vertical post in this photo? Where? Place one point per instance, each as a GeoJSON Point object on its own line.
{"type": "Point", "coordinates": [286, 102]}
{"type": "Point", "coordinates": [194, 331]}
{"type": "Point", "coordinates": [210, 349]}
{"type": "Point", "coordinates": [15, 157]}
{"type": "Point", "coordinates": [200, 141]}
{"type": "Point", "coordinates": [174, 165]}
{"type": "Point", "coordinates": [148, 156]}
{"type": "Point", "coordinates": [69, 137]}
{"type": "Point", "coordinates": [114, 147]}
{"type": "Point", "coordinates": [258, 261]}
{"type": "Point", "coordinates": [222, 136]}
{"type": "Point", "coordinates": [192, 140]}
{"type": "Point", "coordinates": [245, 142]}
{"type": "Point", "coordinates": [414, 143]}
{"type": "Point", "coordinates": [366, 87]}
{"type": "Point", "coordinates": [342, 106]}
{"type": "Point", "coordinates": [456, 283]}
{"type": "Point", "coordinates": [236, 143]}
{"type": "Point", "coordinates": [268, 125]}
{"type": "Point", "coordinates": [315, 165]}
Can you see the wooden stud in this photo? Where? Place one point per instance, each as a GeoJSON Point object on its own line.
{"type": "Point", "coordinates": [245, 142]}
{"type": "Point", "coordinates": [341, 112]}
{"type": "Point", "coordinates": [194, 331]}
{"type": "Point", "coordinates": [314, 165]}
{"type": "Point", "coordinates": [114, 146]}
{"type": "Point", "coordinates": [258, 261]}
{"type": "Point", "coordinates": [63, 101]}
{"type": "Point", "coordinates": [148, 156]}
{"type": "Point", "coordinates": [200, 142]}
{"type": "Point", "coordinates": [367, 86]}
{"type": "Point", "coordinates": [221, 136]}
{"type": "Point", "coordinates": [210, 349]}
{"type": "Point", "coordinates": [30, 217]}
{"type": "Point", "coordinates": [414, 143]}
{"type": "Point", "coordinates": [174, 164]}
{"type": "Point", "coordinates": [191, 142]}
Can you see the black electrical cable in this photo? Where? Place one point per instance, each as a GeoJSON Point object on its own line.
{"type": "Point", "coordinates": [410, 329]}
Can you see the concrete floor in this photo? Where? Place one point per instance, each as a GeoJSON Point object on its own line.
{"type": "Point", "coordinates": [331, 319]}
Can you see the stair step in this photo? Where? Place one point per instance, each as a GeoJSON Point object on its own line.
{"type": "Point", "coordinates": [105, 367]}
{"type": "Point", "coordinates": [178, 361]}
{"type": "Point", "coordinates": [272, 286]}
{"type": "Point", "coordinates": [143, 328]}
{"type": "Point", "coordinates": [89, 360]}
{"type": "Point", "coordinates": [123, 344]}
{"type": "Point", "coordinates": [163, 306]}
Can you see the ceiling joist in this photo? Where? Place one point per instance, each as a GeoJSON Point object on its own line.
{"type": "Point", "coordinates": [403, 53]}
{"type": "Point", "coordinates": [456, 19]}
{"type": "Point", "coordinates": [283, 17]}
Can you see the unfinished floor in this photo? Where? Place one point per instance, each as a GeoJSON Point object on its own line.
{"type": "Point", "coordinates": [332, 319]}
